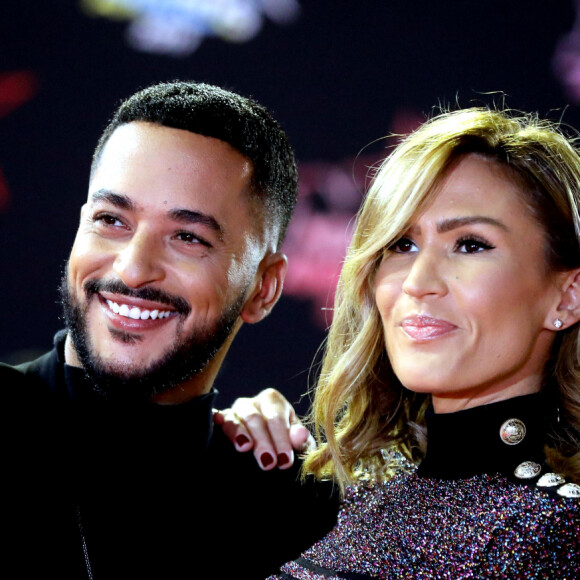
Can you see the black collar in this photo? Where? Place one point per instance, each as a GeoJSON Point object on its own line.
{"type": "Point", "coordinates": [493, 438]}
{"type": "Point", "coordinates": [153, 425]}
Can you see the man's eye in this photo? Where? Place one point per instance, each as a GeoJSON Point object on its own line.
{"type": "Point", "coordinates": [108, 220]}
{"type": "Point", "coordinates": [472, 245]}
{"type": "Point", "coordinates": [403, 246]}
{"type": "Point", "coordinates": [190, 238]}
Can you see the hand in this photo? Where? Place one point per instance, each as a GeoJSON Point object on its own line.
{"type": "Point", "coordinates": [266, 423]}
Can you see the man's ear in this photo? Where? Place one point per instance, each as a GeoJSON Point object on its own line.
{"type": "Point", "coordinates": [267, 288]}
{"type": "Point", "coordinates": [569, 308]}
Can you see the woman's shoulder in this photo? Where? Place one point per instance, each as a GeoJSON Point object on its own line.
{"type": "Point", "coordinates": [549, 493]}
{"type": "Point", "coordinates": [368, 493]}
{"type": "Point", "coordinates": [544, 522]}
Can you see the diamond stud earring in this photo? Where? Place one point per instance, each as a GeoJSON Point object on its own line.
{"type": "Point", "coordinates": [558, 323]}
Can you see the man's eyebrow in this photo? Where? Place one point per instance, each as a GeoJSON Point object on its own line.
{"type": "Point", "coordinates": [188, 216]}
{"type": "Point", "coordinates": [454, 223]}
{"type": "Point", "coordinates": [182, 215]}
{"type": "Point", "coordinates": [117, 199]}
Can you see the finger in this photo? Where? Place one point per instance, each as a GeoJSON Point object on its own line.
{"type": "Point", "coordinates": [234, 429]}
{"type": "Point", "coordinates": [264, 449]}
{"type": "Point", "coordinates": [278, 414]}
{"type": "Point", "coordinates": [299, 435]}
{"type": "Point", "coordinates": [218, 417]}
{"type": "Point", "coordinates": [279, 431]}
{"type": "Point", "coordinates": [256, 425]}
{"type": "Point", "coordinates": [301, 438]}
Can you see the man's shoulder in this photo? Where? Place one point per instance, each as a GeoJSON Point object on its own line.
{"type": "Point", "coordinates": [26, 369]}
{"type": "Point", "coordinates": [36, 374]}
{"type": "Point", "coordinates": [286, 513]}
{"type": "Point", "coordinates": [227, 464]}
{"type": "Point", "coordinates": [239, 474]}
{"type": "Point", "coordinates": [224, 459]}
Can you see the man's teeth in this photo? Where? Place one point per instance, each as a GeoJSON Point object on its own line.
{"type": "Point", "coordinates": [136, 313]}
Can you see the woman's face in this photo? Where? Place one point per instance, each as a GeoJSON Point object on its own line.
{"type": "Point", "coordinates": [465, 300]}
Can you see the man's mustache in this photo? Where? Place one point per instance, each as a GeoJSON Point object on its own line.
{"type": "Point", "coordinates": [153, 294]}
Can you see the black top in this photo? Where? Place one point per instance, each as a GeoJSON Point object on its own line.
{"type": "Point", "coordinates": [482, 504]}
{"type": "Point", "coordinates": [469, 442]}
{"type": "Point", "coordinates": [100, 490]}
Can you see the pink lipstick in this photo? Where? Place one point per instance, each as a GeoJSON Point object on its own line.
{"type": "Point", "coordinates": [423, 328]}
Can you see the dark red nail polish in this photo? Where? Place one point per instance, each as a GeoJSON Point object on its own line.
{"type": "Point", "coordinates": [266, 459]}
{"type": "Point", "coordinates": [242, 440]}
{"type": "Point", "coordinates": [283, 459]}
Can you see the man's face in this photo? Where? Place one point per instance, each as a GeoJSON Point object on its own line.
{"type": "Point", "coordinates": [163, 260]}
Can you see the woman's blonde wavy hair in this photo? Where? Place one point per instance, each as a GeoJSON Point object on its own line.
{"type": "Point", "coordinates": [364, 419]}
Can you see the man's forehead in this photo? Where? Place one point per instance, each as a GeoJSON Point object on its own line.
{"type": "Point", "coordinates": [156, 151]}
{"type": "Point", "coordinates": [138, 133]}
{"type": "Point", "coordinates": [140, 155]}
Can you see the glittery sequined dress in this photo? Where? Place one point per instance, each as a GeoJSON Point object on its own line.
{"type": "Point", "coordinates": [482, 504]}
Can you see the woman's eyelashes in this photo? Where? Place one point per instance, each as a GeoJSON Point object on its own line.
{"type": "Point", "coordinates": [466, 244]}
{"type": "Point", "coordinates": [471, 244]}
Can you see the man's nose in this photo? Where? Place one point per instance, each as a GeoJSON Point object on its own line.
{"type": "Point", "coordinates": [425, 277]}
{"type": "Point", "coordinates": [139, 262]}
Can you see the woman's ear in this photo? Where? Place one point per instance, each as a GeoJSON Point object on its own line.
{"type": "Point", "coordinates": [568, 311]}
{"type": "Point", "coordinates": [267, 288]}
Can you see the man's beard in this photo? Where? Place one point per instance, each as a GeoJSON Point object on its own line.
{"type": "Point", "coordinates": [185, 358]}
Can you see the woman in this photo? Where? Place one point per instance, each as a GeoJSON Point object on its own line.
{"type": "Point", "coordinates": [454, 348]}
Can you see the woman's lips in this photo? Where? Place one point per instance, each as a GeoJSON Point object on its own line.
{"type": "Point", "coordinates": [424, 328]}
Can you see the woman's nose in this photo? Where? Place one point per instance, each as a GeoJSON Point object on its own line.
{"type": "Point", "coordinates": [424, 277]}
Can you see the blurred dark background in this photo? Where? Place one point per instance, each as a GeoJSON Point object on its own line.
{"type": "Point", "coordinates": [338, 75]}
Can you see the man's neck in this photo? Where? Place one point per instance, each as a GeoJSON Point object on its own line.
{"type": "Point", "coordinates": [198, 385]}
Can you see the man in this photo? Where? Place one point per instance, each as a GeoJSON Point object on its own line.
{"type": "Point", "coordinates": [112, 467]}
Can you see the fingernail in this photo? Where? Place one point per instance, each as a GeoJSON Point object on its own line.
{"type": "Point", "coordinates": [266, 459]}
{"type": "Point", "coordinates": [283, 459]}
{"type": "Point", "coordinates": [241, 440]}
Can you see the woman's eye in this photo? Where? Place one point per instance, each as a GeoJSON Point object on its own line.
{"type": "Point", "coordinates": [403, 246]}
{"type": "Point", "coordinates": [473, 245]}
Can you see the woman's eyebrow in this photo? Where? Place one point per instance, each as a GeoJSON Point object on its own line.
{"type": "Point", "coordinates": [454, 223]}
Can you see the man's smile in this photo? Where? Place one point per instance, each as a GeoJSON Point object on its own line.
{"type": "Point", "coordinates": [137, 313]}
{"type": "Point", "coordinates": [125, 312]}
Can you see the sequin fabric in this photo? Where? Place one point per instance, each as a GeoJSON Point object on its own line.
{"type": "Point", "coordinates": [484, 526]}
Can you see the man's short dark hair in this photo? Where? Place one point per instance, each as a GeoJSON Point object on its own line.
{"type": "Point", "coordinates": [239, 121]}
